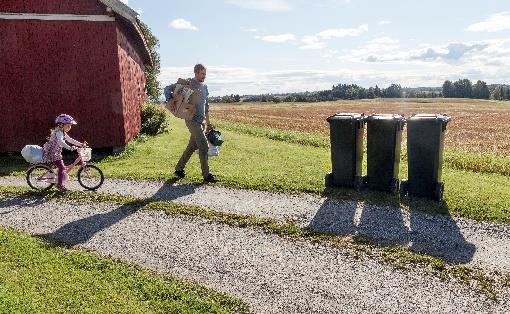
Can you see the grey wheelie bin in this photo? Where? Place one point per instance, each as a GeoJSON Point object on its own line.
{"type": "Point", "coordinates": [425, 143]}
{"type": "Point", "coordinates": [346, 134]}
{"type": "Point", "coordinates": [384, 136]}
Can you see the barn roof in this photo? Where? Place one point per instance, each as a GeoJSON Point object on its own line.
{"type": "Point", "coordinates": [130, 16]}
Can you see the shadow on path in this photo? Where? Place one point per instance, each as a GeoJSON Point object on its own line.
{"type": "Point", "coordinates": [433, 234]}
{"type": "Point", "coordinates": [170, 191]}
{"type": "Point", "coordinates": [82, 230]}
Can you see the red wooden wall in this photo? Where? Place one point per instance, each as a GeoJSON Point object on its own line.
{"type": "Point", "coordinates": [86, 7]}
{"type": "Point", "coordinates": [89, 70]}
{"type": "Point", "coordinates": [132, 81]}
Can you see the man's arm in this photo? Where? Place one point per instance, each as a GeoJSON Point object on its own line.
{"type": "Point", "coordinates": [207, 120]}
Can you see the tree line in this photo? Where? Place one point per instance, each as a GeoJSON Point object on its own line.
{"type": "Point", "coordinates": [340, 91]}
{"type": "Point", "coordinates": [480, 90]}
{"type": "Point", "coordinates": [463, 88]}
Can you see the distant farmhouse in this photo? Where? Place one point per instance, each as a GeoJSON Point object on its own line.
{"type": "Point", "coordinates": [82, 57]}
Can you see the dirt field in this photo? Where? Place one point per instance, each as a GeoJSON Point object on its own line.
{"type": "Point", "coordinates": [477, 125]}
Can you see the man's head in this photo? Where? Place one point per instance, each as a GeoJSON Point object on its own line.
{"type": "Point", "coordinates": [200, 72]}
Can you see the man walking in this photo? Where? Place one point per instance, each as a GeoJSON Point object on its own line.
{"type": "Point", "coordinates": [197, 127]}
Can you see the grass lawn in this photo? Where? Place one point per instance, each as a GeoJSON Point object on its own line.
{"type": "Point", "coordinates": [37, 277]}
{"type": "Point", "coordinates": [258, 162]}
{"type": "Point", "coordinates": [265, 159]}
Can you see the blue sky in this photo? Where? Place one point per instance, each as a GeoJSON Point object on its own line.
{"type": "Point", "coordinates": [272, 46]}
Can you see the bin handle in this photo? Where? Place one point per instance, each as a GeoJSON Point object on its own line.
{"type": "Point", "coordinates": [445, 121]}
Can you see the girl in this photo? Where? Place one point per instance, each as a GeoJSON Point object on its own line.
{"type": "Point", "coordinates": [57, 141]}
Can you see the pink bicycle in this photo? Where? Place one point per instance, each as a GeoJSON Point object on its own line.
{"type": "Point", "coordinates": [42, 176]}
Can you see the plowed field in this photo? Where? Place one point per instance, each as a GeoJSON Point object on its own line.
{"type": "Point", "coordinates": [479, 126]}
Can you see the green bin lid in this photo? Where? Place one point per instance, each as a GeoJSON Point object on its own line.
{"type": "Point", "coordinates": [428, 116]}
{"type": "Point", "coordinates": [346, 116]}
{"type": "Point", "coordinates": [396, 117]}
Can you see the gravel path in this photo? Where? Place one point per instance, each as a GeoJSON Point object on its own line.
{"type": "Point", "coordinates": [272, 274]}
{"type": "Point", "coordinates": [486, 245]}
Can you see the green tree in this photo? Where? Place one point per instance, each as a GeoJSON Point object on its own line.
{"type": "Point", "coordinates": [466, 88]}
{"type": "Point", "coordinates": [506, 93]}
{"type": "Point", "coordinates": [377, 92]}
{"type": "Point", "coordinates": [497, 94]}
{"type": "Point", "coordinates": [447, 89]}
{"type": "Point", "coordinates": [276, 100]}
{"type": "Point", "coordinates": [371, 93]}
{"type": "Point", "coordinates": [462, 89]}
{"type": "Point", "coordinates": [393, 91]}
{"type": "Point", "coordinates": [481, 90]}
{"type": "Point", "coordinates": [152, 72]}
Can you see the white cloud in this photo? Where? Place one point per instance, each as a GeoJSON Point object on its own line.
{"type": "Point", "coordinates": [496, 22]}
{"type": "Point", "coordinates": [483, 60]}
{"type": "Point", "coordinates": [384, 40]}
{"type": "Point", "coordinates": [324, 3]}
{"type": "Point", "coordinates": [384, 22]}
{"type": "Point", "coordinates": [262, 5]}
{"type": "Point", "coordinates": [125, 1]}
{"type": "Point", "coordinates": [283, 38]}
{"type": "Point", "coordinates": [226, 80]}
{"type": "Point", "coordinates": [183, 24]}
{"type": "Point", "coordinates": [329, 54]}
{"type": "Point", "coordinates": [453, 51]}
{"type": "Point", "coordinates": [343, 32]}
{"type": "Point", "coordinates": [312, 42]}
{"type": "Point", "coordinates": [316, 42]}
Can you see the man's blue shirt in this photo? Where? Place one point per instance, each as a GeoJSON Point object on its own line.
{"type": "Point", "coordinates": [203, 103]}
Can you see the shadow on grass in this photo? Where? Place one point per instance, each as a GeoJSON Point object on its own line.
{"type": "Point", "coordinates": [387, 224]}
{"type": "Point", "coordinates": [27, 199]}
{"type": "Point", "coordinates": [12, 164]}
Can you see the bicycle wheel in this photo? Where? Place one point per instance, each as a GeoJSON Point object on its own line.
{"type": "Point", "coordinates": [90, 177]}
{"type": "Point", "coordinates": [41, 177]}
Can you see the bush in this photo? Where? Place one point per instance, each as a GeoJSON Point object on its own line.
{"type": "Point", "coordinates": [154, 119]}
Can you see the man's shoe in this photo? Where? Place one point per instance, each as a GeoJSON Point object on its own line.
{"type": "Point", "coordinates": [180, 174]}
{"type": "Point", "coordinates": [210, 178]}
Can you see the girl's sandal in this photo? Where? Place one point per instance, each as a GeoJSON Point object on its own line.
{"type": "Point", "coordinates": [62, 188]}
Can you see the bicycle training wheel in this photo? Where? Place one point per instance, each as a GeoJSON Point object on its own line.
{"type": "Point", "coordinates": [90, 177]}
{"type": "Point", "coordinates": [41, 177]}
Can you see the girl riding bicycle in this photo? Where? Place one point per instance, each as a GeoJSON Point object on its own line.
{"type": "Point", "coordinates": [57, 140]}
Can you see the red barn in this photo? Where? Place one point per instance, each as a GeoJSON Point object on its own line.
{"type": "Point", "coordinates": [81, 57]}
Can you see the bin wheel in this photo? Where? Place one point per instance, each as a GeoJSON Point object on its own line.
{"type": "Point", "coordinates": [394, 186]}
{"type": "Point", "coordinates": [329, 180]}
{"type": "Point", "coordinates": [438, 194]}
{"type": "Point", "coordinates": [404, 188]}
{"type": "Point", "coordinates": [359, 182]}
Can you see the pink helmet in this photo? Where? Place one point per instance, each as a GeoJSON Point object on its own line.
{"type": "Point", "coordinates": [65, 119]}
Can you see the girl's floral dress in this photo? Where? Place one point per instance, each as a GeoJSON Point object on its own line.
{"type": "Point", "coordinates": [52, 149]}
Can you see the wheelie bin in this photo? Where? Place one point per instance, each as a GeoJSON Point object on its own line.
{"type": "Point", "coordinates": [346, 135]}
{"type": "Point", "coordinates": [384, 136]}
{"type": "Point", "coordinates": [425, 144]}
